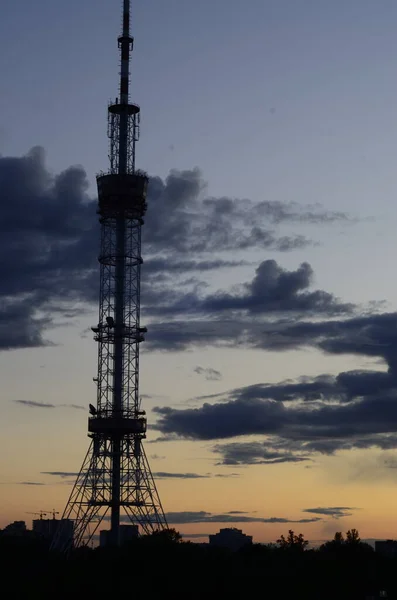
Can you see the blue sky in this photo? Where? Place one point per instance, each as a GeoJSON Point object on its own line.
{"type": "Point", "coordinates": [273, 100]}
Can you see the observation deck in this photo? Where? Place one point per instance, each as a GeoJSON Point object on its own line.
{"type": "Point", "coordinates": [111, 426]}
{"type": "Point", "coordinates": [122, 195]}
{"type": "Point", "coordinates": [107, 333]}
{"type": "Point", "coordinates": [118, 109]}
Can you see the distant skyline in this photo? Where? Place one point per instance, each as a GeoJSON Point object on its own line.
{"type": "Point", "coordinates": [269, 370]}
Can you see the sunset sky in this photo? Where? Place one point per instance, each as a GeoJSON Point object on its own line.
{"type": "Point", "coordinates": [269, 371]}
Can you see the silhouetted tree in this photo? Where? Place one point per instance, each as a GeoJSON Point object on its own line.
{"type": "Point", "coordinates": [292, 541]}
{"type": "Point", "coordinates": [335, 544]}
{"type": "Point", "coordinates": [352, 537]}
{"type": "Point", "coordinates": [350, 544]}
{"type": "Point", "coordinates": [168, 536]}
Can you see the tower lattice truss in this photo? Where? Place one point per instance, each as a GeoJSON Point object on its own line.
{"type": "Point", "coordinates": [90, 501]}
{"type": "Point", "coordinates": [115, 484]}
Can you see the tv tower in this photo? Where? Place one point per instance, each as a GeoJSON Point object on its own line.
{"type": "Point", "coordinates": [115, 480]}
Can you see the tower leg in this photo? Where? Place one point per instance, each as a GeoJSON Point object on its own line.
{"type": "Point", "coordinates": [91, 499]}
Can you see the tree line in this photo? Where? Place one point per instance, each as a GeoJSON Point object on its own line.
{"type": "Point", "coordinates": [164, 565]}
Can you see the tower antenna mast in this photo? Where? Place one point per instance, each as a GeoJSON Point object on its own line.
{"type": "Point", "coordinates": [115, 481]}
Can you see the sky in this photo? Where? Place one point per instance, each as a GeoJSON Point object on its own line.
{"type": "Point", "coordinates": [269, 370]}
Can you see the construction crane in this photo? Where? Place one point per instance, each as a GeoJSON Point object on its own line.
{"type": "Point", "coordinates": [53, 512]}
{"type": "Point", "coordinates": [41, 514]}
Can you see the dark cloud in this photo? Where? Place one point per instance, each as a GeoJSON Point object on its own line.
{"type": "Point", "coordinates": [235, 418]}
{"type": "Point", "coordinates": [325, 414]}
{"type": "Point", "coordinates": [30, 483]}
{"type": "Point", "coordinates": [180, 518]}
{"type": "Point", "coordinates": [181, 219]}
{"type": "Point", "coordinates": [255, 453]}
{"type": "Point", "coordinates": [165, 475]}
{"type": "Point", "coordinates": [209, 373]}
{"type": "Point", "coordinates": [279, 212]}
{"type": "Point", "coordinates": [176, 518]}
{"type": "Point", "coordinates": [370, 335]}
{"type": "Point", "coordinates": [179, 335]}
{"type": "Point", "coordinates": [162, 265]}
{"type": "Point", "coordinates": [273, 290]}
{"type": "Point", "coordinates": [328, 413]}
{"type": "Point", "coordinates": [50, 236]}
{"type": "Point", "coordinates": [345, 387]}
{"type": "Point", "coordinates": [157, 475]}
{"type": "Point", "coordinates": [238, 512]}
{"type": "Point", "coordinates": [61, 474]}
{"type": "Point", "coordinates": [47, 241]}
{"type": "Point", "coordinates": [33, 404]}
{"type": "Point", "coordinates": [336, 512]}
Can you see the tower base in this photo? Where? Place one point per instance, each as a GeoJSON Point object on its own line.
{"type": "Point", "coordinates": [90, 502]}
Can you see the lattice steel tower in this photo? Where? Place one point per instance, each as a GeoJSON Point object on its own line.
{"type": "Point", "coordinates": [115, 477]}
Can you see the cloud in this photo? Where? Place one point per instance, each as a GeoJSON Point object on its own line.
{"type": "Point", "coordinates": [296, 419]}
{"type": "Point", "coordinates": [181, 219]}
{"type": "Point", "coordinates": [49, 236]}
{"type": "Point", "coordinates": [46, 234]}
{"type": "Point", "coordinates": [273, 290]}
{"type": "Point", "coordinates": [255, 453]}
{"type": "Point", "coordinates": [33, 404]}
{"type": "Point", "coordinates": [179, 518]}
{"type": "Point", "coordinates": [165, 475]}
{"type": "Point", "coordinates": [209, 373]}
{"type": "Point", "coordinates": [30, 483]}
{"type": "Point", "coordinates": [338, 423]}
{"type": "Point", "coordinates": [328, 413]}
{"type": "Point", "coordinates": [157, 475]}
{"type": "Point", "coordinates": [61, 474]}
{"type": "Point", "coordinates": [337, 512]}
{"type": "Point", "coordinates": [372, 335]}
{"type": "Point", "coordinates": [155, 266]}
{"type": "Point", "coordinates": [237, 512]}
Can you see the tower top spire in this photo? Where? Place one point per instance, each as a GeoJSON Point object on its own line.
{"type": "Point", "coordinates": [126, 43]}
{"type": "Point", "coordinates": [126, 17]}
{"type": "Point", "coordinates": [124, 116]}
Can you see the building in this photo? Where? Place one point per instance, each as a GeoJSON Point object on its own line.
{"type": "Point", "coordinates": [127, 534]}
{"type": "Point", "coordinates": [47, 528]}
{"type": "Point", "coordinates": [386, 548]}
{"type": "Point", "coordinates": [231, 538]}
